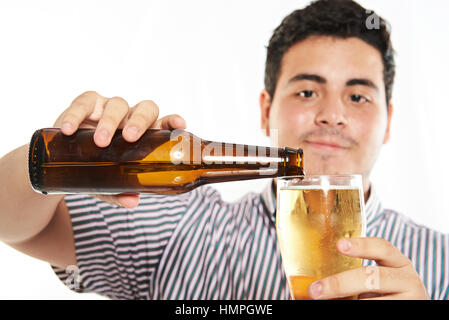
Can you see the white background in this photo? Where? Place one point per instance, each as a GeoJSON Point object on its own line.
{"type": "Point", "coordinates": [205, 61]}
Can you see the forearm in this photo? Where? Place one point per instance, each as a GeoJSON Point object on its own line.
{"type": "Point", "coordinates": [23, 212]}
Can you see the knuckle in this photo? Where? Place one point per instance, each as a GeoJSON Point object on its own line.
{"type": "Point", "coordinates": [78, 110]}
{"type": "Point", "coordinates": [90, 93]}
{"type": "Point", "coordinates": [117, 106]}
{"type": "Point", "coordinates": [149, 107]}
{"type": "Point", "coordinates": [118, 101]}
{"type": "Point", "coordinates": [172, 117]}
{"type": "Point", "coordinates": [85, 98]}
{"type": "Point", "coordinates": [108, 120]}
{"type": "Point", "coordinates": [175, 115]}
{"type": "Point", "coordinates": [83, 107]}
{"type": "Point", "coordinates": [73, 116]}
{"type": "Point", "coordinates": [385, 247]}
{"type": "Point", "coordinates": [149, 102]}
{"type": "Point", "coordinates": [139, 119]}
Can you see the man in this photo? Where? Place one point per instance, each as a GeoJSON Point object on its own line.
{"type": "Point", "coordinates": [328, 87]}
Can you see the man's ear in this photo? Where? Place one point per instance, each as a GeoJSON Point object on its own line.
{"type": "Point", "coordinates": [265, 104]}
{"type": "Point", "coordinates": [387, 130]}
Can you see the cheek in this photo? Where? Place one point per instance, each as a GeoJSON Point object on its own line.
{"type": "Point", "coordinates": [369, 131]}
{"type": "Point", "coordinates": [290, 118]}
{"type": "Point", "coordinates": [291, 122]}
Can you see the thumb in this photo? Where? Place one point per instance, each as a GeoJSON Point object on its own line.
{"type": "Point", "coordinates": [128, 200]}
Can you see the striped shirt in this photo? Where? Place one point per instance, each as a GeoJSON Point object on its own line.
{"type": "Point", "coordinates": [197, 246]}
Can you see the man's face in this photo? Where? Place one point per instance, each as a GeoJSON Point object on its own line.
{"type": "Point", "coordinates": [330, 101]}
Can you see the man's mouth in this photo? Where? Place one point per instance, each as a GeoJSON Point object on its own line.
{"type": "Point", "coordinates": [326, 145]}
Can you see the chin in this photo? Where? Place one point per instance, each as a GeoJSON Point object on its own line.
{"type": "Point", "coordinates": [328, 164]}
{"type": "Point", "coordinates": [328, 169]}
{"type": "Point", "coordinates": [325, 172]}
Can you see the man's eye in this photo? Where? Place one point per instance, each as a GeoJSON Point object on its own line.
{"type": "Point", "coordinates": [305, 93]}
{"type": "Point", "coordinates": [358, 98]}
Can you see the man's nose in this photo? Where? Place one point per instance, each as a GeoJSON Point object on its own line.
{"type": "Point", "coordinates": [331, 113]}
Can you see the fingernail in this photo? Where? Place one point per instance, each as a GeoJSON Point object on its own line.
{"type": "Point", "coordinates": [345, 245]}
{"type": "Point", "coordinates": [132, 132]}
{"type": "Point", "coordinates": [315, 289]}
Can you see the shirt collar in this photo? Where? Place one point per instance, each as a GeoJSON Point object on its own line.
{"type": "Point", "coordinates": [373, 207]}
{"type": "Point", "coordinates": [269, 198]}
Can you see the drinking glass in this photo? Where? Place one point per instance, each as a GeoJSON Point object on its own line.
{"type": "Point", "coordinates": [313, 213]}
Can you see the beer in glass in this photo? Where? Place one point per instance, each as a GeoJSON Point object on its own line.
{"type": "Point", "coordinates": [313, 213]}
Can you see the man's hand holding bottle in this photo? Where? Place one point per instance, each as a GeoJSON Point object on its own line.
{"type": "Point", "coordinates": [106, 115]}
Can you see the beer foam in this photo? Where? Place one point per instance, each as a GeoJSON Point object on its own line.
{"type": "Point", "coordinates": [320, 187]}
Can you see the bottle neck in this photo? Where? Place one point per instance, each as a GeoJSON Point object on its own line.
{"type": "Point", "coordinates": [232, 162]}
{"type": "Point", "coordinates": [293, 162]}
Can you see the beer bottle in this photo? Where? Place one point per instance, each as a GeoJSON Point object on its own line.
{"type": "Point", "coordinates": [161, 161]}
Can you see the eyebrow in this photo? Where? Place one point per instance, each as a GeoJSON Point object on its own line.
{"type": "Point", "coordinates": [306, 76]}
{"type": "Point", "coordinates": [363, 82]}
{"type": "Point", "coordinates": [320, 79]}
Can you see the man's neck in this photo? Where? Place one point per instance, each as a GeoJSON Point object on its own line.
{"type": "Point", "coordinates": [367, 194]}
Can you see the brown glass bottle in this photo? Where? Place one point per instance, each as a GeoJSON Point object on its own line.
{"type": "Point", "coordinates": [161, 161]}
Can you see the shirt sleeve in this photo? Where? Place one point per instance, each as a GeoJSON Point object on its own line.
{"type": "Point", "coordinates": [118, 249]}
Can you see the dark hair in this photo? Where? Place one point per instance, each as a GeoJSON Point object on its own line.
{"type": "Point", "coordinates": [336, 18]}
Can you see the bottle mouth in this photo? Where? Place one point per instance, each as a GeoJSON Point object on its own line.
{"type": "Point", "coordinates": [293, 162]}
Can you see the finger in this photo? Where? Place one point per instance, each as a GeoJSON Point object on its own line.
{"type": "Point", "coordinates": [115, 110]}
{"type": "Point", "coordinates": [378, 249]}
{"type": "Point", "coordinates": [128, 200]}
{"type": "Point", "coordinates": [399, 296]}
{"type": "Point", "coordinates": [372, 279]}
{"type": "Point", "coordinates": [82, 107]}
{"type": "Point", "coordinates": [169, 122]}
{"type": "Point", "coordinates": [141, 117]}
